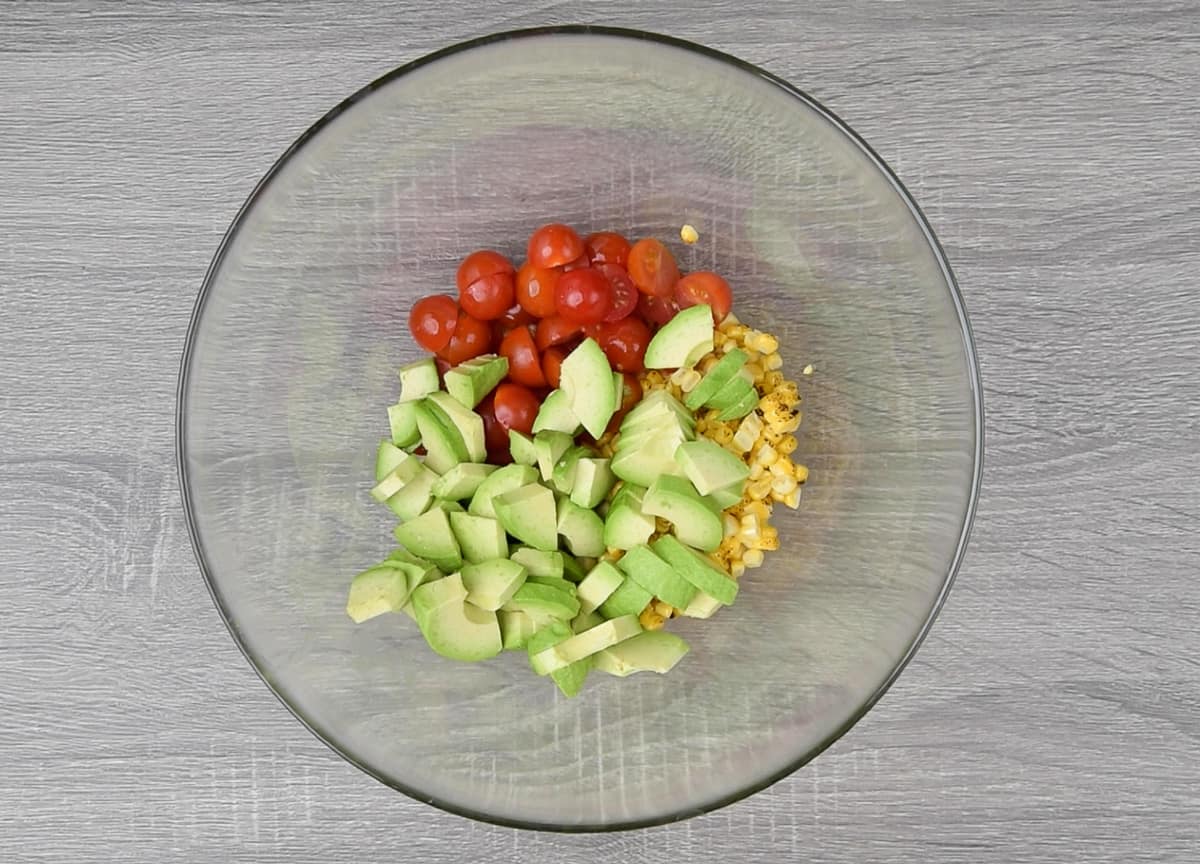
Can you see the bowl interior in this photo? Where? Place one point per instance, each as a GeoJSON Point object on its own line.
{"type": "Point", "coordinates": [303, 323]}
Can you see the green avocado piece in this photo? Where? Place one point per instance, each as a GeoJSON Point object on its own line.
{"type": "Point", "coordinates": [584, 644]}
{"type": "Point", "coordinates": [626, 525]}
{"type": "Point", "coordinates": [581, 529]}
{"type": "Point", "coordinates": [592, 482]}
{"type": "Point", "coordinates": [556, 415]}
{"type": "Point", "coordinates": [742, 407]}
{"type": "Point", "coordinates": [716, 378]}
{"type": "Point", "coordinates": [648, 651]}
{"type": "Point", "coordinates": [402, 421]}
{"type": "Point", "coordinates": [375, 591]}
{"type": "Point", "coordinates": [479, 538]}
{"type": "Point", "coordinates": [387, 458]}
{"type": "Point", "coordinates": [598, 586]}
{"type": "Point", "coordinates": [573, 571]}
{"type": "Point", "coordinates": [467, 422]}
{"type": "Point", "coordinates": [520, 446]}
{"type": "Point", "coordinates": [702, 606]}
{"type": "Point", "coordinates": [550, 445]}
{"type": "Point", "coordinates": [541, 601]}
{"type": "Point", "coordinates": [563, 476]}
{"type": "Point", "coordinates": [555, 582]}
{"type": "Point", "coordinates": [498, 482]}
{"type": "Point", "coordinates": [693, 521]}
{"type": "Point", "coordinates": [683, 340]}
{"type": "Point", "coordinates": [462, 481]}
{"type": "Point", "coordinates": [443, 443]}
{"type": "Point", "coordinates": [587, 380]}
{"type": "Point", "coordinates": [629, 599]}
{"type": "Point", "coordinates": [657, 576]}
{"type": "Point", "coordinates": [529, 515]}
{"type": "Point", "coordinates": [430, 536]}
{"type": "Point", "coordinates": [452, 627]}
{"type": "Point", "coordinates": [516, 628]}
{"type": "Point", "coordinates": [725, 497]}
{"type": "Point", "coordinates": [396, 479]}
{"type": "Point", "coordinates": [733, 391]}
{"type": "Point", "coordinates": [418, 379]}
{"type": "Point", "coordinates": [700, 570]}
{"type": "Point", "coordinates": [586, 621]}
{"type": "Point", "coordinates": [569, 678]}
{"type": "Point", "coordinates": [470, 382]}
{"type": "Point", "coordinates": [539, 562]}
{"type": "Point", "coordinates": [415, 497]}
{"type": "Point", "coordinates": [491, 584]}
{"type": "Point", "coordinates": [710, 466]}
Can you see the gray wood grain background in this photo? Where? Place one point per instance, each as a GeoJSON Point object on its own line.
{"type": "Point", "coordinates": [1053, 715]}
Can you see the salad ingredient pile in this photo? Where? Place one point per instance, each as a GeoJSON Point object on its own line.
{"type": "Point", "coordinates": [595, 447]}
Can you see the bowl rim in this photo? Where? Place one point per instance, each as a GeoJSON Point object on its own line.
{"type": "Point", "coordinates": [974, 375]}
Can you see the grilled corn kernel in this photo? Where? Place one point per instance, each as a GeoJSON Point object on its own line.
{"type": "Point", "coordinates": [686, 379]}
{"type": "Point", "coordinates": [737, 569]}
{"type": "Point", "coordinates": [753, 558]}
{"type": "Point", "coordinates": [773, 362]}
{"type": "Point", "coordinates": [792, 500]}
{"type": "Point", "coordinates": [759, 488]}
{"type": "Point", "coordinates": [782, 486]}
{"type": "Point", "coordinates": [766, 455]}
{"type": "Point", "coordinates": [663, 608]}
{"type": "Point", "coordinates": [787, 445]}
{"type": "Point", "coordinates": [801, 473]}
{"type": "Point", "coordinates": [708, 363]}
{"type": "Point", "coordinates": [757, 470]}
{"type": "Point", "coordinates": [754, 370]}
{"type": "Point", "coordinates": [730, 320]}
{"type": "Point", "coordinates": [689, 234]}
{"type": "Point", "coordinates": [769, 541]}
{"type": "Point", "coordinates": [772, 380]}
{"type": "Point", "coordinates": [650, 619]}
{"type": "Point", "coordinates": [764, 343]}
{"type": "Point", "coordinates": [730, 525]}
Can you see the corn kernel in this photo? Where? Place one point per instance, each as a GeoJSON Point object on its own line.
{"type": "Point", "coordinates": [769, 541]}
{"type": "Point", "coordinates": [709, 361]}
{"type": "Point", "coordinates": [754, 370]}
{"type": "Point", "coordinates": [737, 331]}
{"type": "Point", "coordinates": [801, 473]}
{"type": "Point", "coordinates": [761, 509]}
{"type": "Point", "coordinates": [773, 362]}
{"type": "Point", "coordinates": [737, 569]}
{"type": "Point", "coordinates": [753, 558]}
{"type": "Point", "coordinates": [722, 434]}
{"type": "Point", "coordinates": [686, 379]}
{"type": "Point", "coordinates": [793, 499]}
{"type": "Point", "coordinates": [807, 370]}
{"type": "Point", "coordinates": [731, 319]}
{"type": "Point", "coordinates": [663, 608]}
{"type": "Point", "coordinates": [772, 380]}
{"type": "Point", "coordinates": [688, 234]}
{"type": "Point", "coordinates": [782, 486]}
{"type": "Point", "coordinates": [787, 445]}
{"type": "Point", "coordinates": [766, 455]}
{"type": "Point", "coordinates": [650, 619]}
{"type": "Point", "coordinates": [757, 470]}
{"type": "Point", "coordinates": [759, 488]}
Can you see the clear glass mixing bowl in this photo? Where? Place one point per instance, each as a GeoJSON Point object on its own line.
{"type": "Point", "coordinates": [301, 324]}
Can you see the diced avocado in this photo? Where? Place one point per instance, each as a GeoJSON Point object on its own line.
{"type": "Point", "coordinates": [418, 379]}
{"type": "Point", "coordinates": [702, 606]}
{"type": "Point", "coordinates": [563, 476]}
{"type": "Point", "coordinates": [539, 562]}
{"type": "Point", "coordinates": [598, 586]}
{"type": "Point", "coordinates": [694, 522]}
{"type": "Point", "coordinates": [654, 409]}
{"type": "Point", "coordinates": [414, 499]}
{"type": "Point", "coordinates": [515, 628]}
{"type": "Point", "coordinates": [586, 621]}
{"type": "Point", "coordinates": [430, 536]}
{"type": "Point", "coordinates": [683, 340]}
{"type": "Point", "coordinates": [498, 482]}
{"type": "Point", "coordinates": [709, 465]}
{"type": "Point", "coordinates": [704, 573]}
{"type": "Point", "coordinates": [550, 445]}
{"type": "Point", "coordinates": [469, 383]}
{"type": "Point", "coordinates": [543, 600]}
{"type": "Point", "coordinates": [648, 651]}
{"type": "Point", "coordinates": [573, 571]}
{"type": "Point", "coordinates": [521, 447]}
{"type": "Point", "coordinates": [581, 528]}
{"type": "Point", "coordinates": [626, 525]}
{"type": "Point", "coordinates": [587, 380]}
{"type": "Point", "coordinates": [444, 445]}
{"type": "Point", "coordinates": [419, 570]}
{"type": "Point", "coordinates": [556, 415]}
{"type": "Point", "coordinates": [569, 678]}
{"type": "Point", "coordinates": [529, 515]}
{"type": "Point", "coordinates": [593, 479]}
{"type": "Point", "coordinates": [555, 582]}
{"type": "Point", "coordinates": [491, 584]}
{"type": "Point", "coordinates": [653, 458]}
{"type": "Point", "coordinates": [584, 644]}
{"type": "Point", "coordinates": [462, 480]}
{"type": "Point", "coordinates": [387, 458]}
{"type": "Point", "coordinates": [716, 378]}
{"type": "Point", "coordinates": [629, 599]}
{"type": "Point", "coordinates": [402, 420]}
{"type": "Point", "coordinates": [452, 627]}
{"type": "Point", "coordinates": [397, 478]}
{"type": "Point", "coordinates": [629, 493]}
{"type": "Point", "coordinates": [479, 538]}
{"type": "Point", "coordinates": [376, 591]}
{"type": "Point", "coordinates": [468, 423]}
{"type": "Point", "coordinates": [725, 497]}
{"type": "Point", "coordinates": [657, 576]}
{"type": "Point", "coordinates": [733, 391]}
{"type": "Point", "coordinates": [618, 391]}
{"type": "Point", "coordinates": [448, 505]}
{"type": "Point", "coordinates": [742, 407]}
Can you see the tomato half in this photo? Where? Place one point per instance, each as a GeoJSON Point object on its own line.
{"type": "Point", "coordinates": [607, 247]}
{"type": "Point", "coordinates": [535, 289]}
{"type": "Point", "coordinates": [578, 263]}
{"type": "Point", "coordinates": [515, 407]}
{"type": "Point", "coordinates": [624, 292]}
{"type": "Point", "coordinates": [488, 298]}
{"type": "Point", "coordinates": [555, 331]}
{"type": "Point", "coordinates": [552, 359]}
{"type": "Point", "coordinates": [624, 343]}
{"type": "Point", "coordinates": [652, 267]}
{"type": "Point", "coordinates": [471, 338]}
{"type": "Point", "coordinates": [554, 245]}
{"type": "Point", "coordinates": [432, 321]}
{"type": "Point", "coordinates": [705, 287]}
{"type": "Point", "coordinates": [583, 296]}
{"type": "Point", "coordinates": [479, 265]}
{"type": "Point", "coordinates": [657, 310]}
{"type": "Point", "coordinates": [524, 365]}
{"type": "Point", "coordinates": [495, 436]}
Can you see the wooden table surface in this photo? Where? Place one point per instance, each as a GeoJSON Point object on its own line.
{"type": "Point", "coordinates": [1054, 713]}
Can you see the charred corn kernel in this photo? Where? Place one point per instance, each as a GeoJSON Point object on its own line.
{"type": "Point", "coordinates": [772, 380]}
{"type": "Point", "coordinates": [748, 431]}
{"type": "Point", "coordinates": [792, 500]}
{"type": "Point", "coordinates": [737, 569]}
{"type": "Point", "coordinates": [686, 379]}
{"type": "Point", "coordinates": [753, 558]}
{"type": "Point", "coordinates": [726, 347]}
{"type": "Point", "coordinates": [787, 445]}
{"type": "Point", "coordinates": [730, 523]}
{"type": "Point", "coordinates": [754, 370]}
{"type": "Point", "coordinates": [766, 455]}
{"type": "Point", "coordinates": [801, 473]}
{"type": "Point", "coordinates": [782, 486]}
{"type": "Point", "coordinates": [773, 362]}
{"type": "Point", "coordinates": [757, 469]}
{"type": "Point", "coordinates": [650, 619]}
{"type": "Point", "coordinates": [689, 234]}
{"type": "Point", "coordinates": [761, 509]}
{"type": "Point", "coordinates": [737, 331]}
{"type": "Point", "coordinates": [748, 524]}
{"type": "Point", "coordinates": [764, 343]}
{"type": "Point", "coordinates": [769, 541]}
{"type": "Point", "coordinates": [721, 434]}
{"type": "Point", "coordinates": [759, 488]}
{"type": "Point", "coordinates": [708, 363]}
{"type": "Point", "coordinates": [662, 607]}
{"type": "Point", "coordinates": [793, 424]}
{"type": "Point", "coordinates": [661, 525]}
{"type": "Point", "coordinates": [787, 393]}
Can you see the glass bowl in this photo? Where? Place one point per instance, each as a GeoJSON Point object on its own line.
{"type": "Point", "coordinates": [301, 323]}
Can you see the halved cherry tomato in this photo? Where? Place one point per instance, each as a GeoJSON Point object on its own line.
{"type": "Point", "coordinates": [535, 289]}
{"type": "Point", "coordinates": [583, 296]}
{"type": "Point", "coordinates": [624, 343]}
{"type": "Point", "coordinates": [516, 407]}
{"type": "Point", "coordinates": [443, 366]}
{"type": "Point", "coordinates": [524, 365]}
{"type": "Point", "coordinates": [554, 245]}
{"type": "Point", "coordinates": [432, 321]}
{"type": "Point", "coordinates": [705, 287]}
{"type": "Point", "coordinates": [631, 394]}
{"type": "Point", "coordinates": [480, 265]}
{"type": "Point", "coordinates": [579, 263]}
{"type": "Point", "coordinates": [488, 298]}
{"type": "Point", "coordinates": [552, 359]}
{"type": "Point", "coordinates": [624, 292]}
{"type": "Point", "coordinates": [657, 310]}
{"type": "Point", "coordinates": [555, 331]}
{"type": "Point", "coordinates": [495, 436]}
{"type": "Point", "coordinates": [471, 338]}
{"type": "Point", "coordinates": [606, 247]}
{"type": "Point", "coordinates": [652, 267]}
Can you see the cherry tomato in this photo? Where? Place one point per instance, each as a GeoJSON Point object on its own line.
{"type": "Point", "coordinates": [624, 343]}
{"type": "Point", "coordinates": [552, 365]}
{"type": "Point", "coordinates": [631, 394]}
{"type": "Point", "coordinates": [578, 264]}
{"type": "Point", "coordinates": [480, 265]}
{"type": "Point", "coordinates": [471, 338]}
{"type": "Point", "coordinates": [705, 287]}
{"type": "Point", "coordinates": [657, 310]}
{"type": "Point", "coordinates": [554, 245]}
{"type": "Point", "coordinates": [488, 298]}
{"type": "Point", "coordinates": [555, 331]}
{"type": "Point", "coordinates": [624, 292]}
{"type": "Point", "coordinates": [524, 365]}
{"type": "Point", "coordinates": [516, 407]}
{"type": "Point", "coordinates": [583, 296]}
{"type": "Point", "coordinates": [605, 247]}
{"type": "Point", "coordinates": [652, 267]}
{"type": "Point", "coordinates": [443, 366]}
{"type": "Point", "coordinates": [535, 289]}
{"type": "Point", "coordinates": [432, 321]}
{"type": "Point", "coordinates": [495, 436]}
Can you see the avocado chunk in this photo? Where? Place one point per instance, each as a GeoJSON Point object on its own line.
{"type": "Point", "coordinates": [415, 497]}
{"type": "Point", "coordinates": [629, 599]}
{"type": "Point", "coordinates": [657, 576]}
{"type": "Point", "coordinates": [592, 482]}
{"type": "Point", "coordinates": [584, 644]}
{"type": "Point", "coordinates": [733, 391]}
{"type": "Point", "coordinates": [742, 407]}
{"type": "Point", "coordinates": [556, 582]}
{"type": "Point", "coordinates": [683, 340]}
{"type": "Point", "coordinates": [626, 525]}
{"type": "Point", "coordinates": [569, 678]}
{"type": "Point", "coordinates": [402, 421]}
{"type": "Point", "coordinates": [470, 382]}
{"type": "Point", "coordinates": [649, 459]}
{"type": "Point", "coordinates": [659, 405]}
{"type": "Point", "coordinates": [467, 422]}
{"type": "Point", "coordinates": [726, 496]}
{"type": "Point", "coordinates": [498, 482]}
{"type": "Point", "coordinates": [573, 571]}
{"type": "Point", "coordinates": [387, 458]}
{"type": "Point", "coordinates": [581, 529]}
{"type": "Point", "coordinates": [710, 466]}
{"type": "Point", "coordinates": [430, 536]}
{"type": "Point", "coordinates": [694, 522]}
{"type": "Point", "coordinates": [491, 584]}
{"type": "Point", "coordinates": [563, 476]}
{"type": "Point", "coordinates": [587, 380]}
{"type": "Point", "coordinates": [448, 505]}
{"type": "Point", "coordinates": [542, 602]}
{"type": "Point", "coordinates": [375, 591]}
{"type": "Point", "coordinates": [700, 570]}
{"type": "Point", "coordinates": [396, 479]}
{"type": "Point", "coordinates": [462, 481]}
{"type": "Point", "coordinates": [550, 445]}
{"type": "Point", "coordinates": [648, 651]}
{"type": "Point", "coordinates": [452, 627]}
{"type": "Point", "coordinates": [520, 446]}
{"type": "Point", "coordinates": [702, 606]}
{"type": "Point", "coordinates": [444, 445]}
{"type": "Point", "coordinates": [515, 628]}
{"type": "Point", "coordinates": [716, 378]}
{"type": "Point", "coordinates": [539, 562]}
{"type": "Point", "coordinates": [479, 538]}
{"type": "Point", "coordinates": [418, 379]}
{"type": "Point", "coordinates": [556, 415]}
{"type": "Point", "coordinates": [586, 621]}
{"type": "Point", "coordinates": [598, 586]}
{"type": "Point", "coordinates": [529, 515]}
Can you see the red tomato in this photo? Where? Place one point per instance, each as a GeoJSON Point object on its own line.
{"type": "Point", "coordinates": [471, 338]}
{"type": "Point", "coordinates": [516, 407]}
{"type": "Point", "coordinates": [535, 289]}
{"type": "Point", "coordinates": [657, 310]}
{"type": "Point", "coordinates": [583, 296]}
{"type": "Point", "coordinates": [552, 365]}
{"type": "Point", "coordinates": [554, 245]}
{"type": "Point", "coordinates": [705, 287]}
{"type": "Point", "coordinates": [495, 436]}
{"type": "Point", "coordinates": [624, 292]}
{"type": "Point", "coordinates": [488, 298]}
{"type": "Point", "coordinates": [524, 365]}
{"type": "Point", "coordinates": [480, 265]}
{"type": "Point", "coordinates": [624, 343]}
{"type": "Point", "coordinates": [514, 317]}
{"type": "Point", "coordinates": [432, 321]}
{"type": "Point", "coordinates": [555, 331]}
{"type": "Point", "coordinates": [652, 268]}
{"type": "Point", "coordinates": [605, 247]}
{"type": "Point", "coordinates": [631, 394]}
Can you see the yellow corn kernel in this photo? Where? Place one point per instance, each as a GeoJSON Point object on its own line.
{"type": "Point", "coordinates": [757, 470]}
{"type": "Point", "coordinates": [766, 455]}
{"type": "Point", "coordinates": [662, 607]}
{"type": "Point", "coordinates": [753, 558]}
{"type": "Point", "coordinates": [747, 432]}
{"type": "Point", "coordinates": [737, 569]}
{"type": "Point", "coordinates": [761, 509]}
{"type": "Point", "coordinates": [730, 320]}
{"type": "Point", "coordinates": [650, 619]}
{"type": "Point", "coordinates": [769, 540]}
{"type": "Point", "coordinates": [764, 343]}
{"type": "Point", "coordinates": [754, 370]}
{"type": "Point", "coordinates": [792, 500]}
{"type": "Point", "coordinates": [722, 434]}
{"type": "Point", "coordinates": [807, 370]}
{"type": "Point", "coordinates": [760, 488]}
{"type": "Point", "coordinates": [688, 234]}
{"type": "Point", "coordinates": [801, 473]}
{"type": "Point", "coordinates": [729, 523]}
{"type": "Point", "coordinates": [793, 424]}
{"type": "Point", "coordinates": [737, 331]}
{"type": "Point", "coordinates": [773, 362]}
{"type": "Point", "coordinates": [771, 380]}
{"type": "Point", "coordinates": [686, 379]}
{"type": "Point", "coordinates": [787, 445]}
{"type": "Point", "coordinates": [787, 393]}
{"type": "Point", "coordinates": [782, 486]}
{"type": "Point", "coordinates": [709, 361]}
